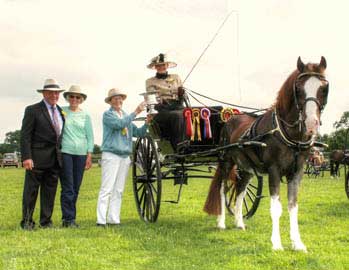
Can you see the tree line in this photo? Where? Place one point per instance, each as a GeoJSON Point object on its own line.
{"type": "Point", "coordinates": [335, 140]}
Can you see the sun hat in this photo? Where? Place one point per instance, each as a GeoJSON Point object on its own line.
{"type": "Point", "coordinates": [160, 60]}
{"type": "Point", "coordinates": [50, 85]}
{"type": "Point", "coordinates": [114, 92]}
{"type": "Point", "coordinates": [74, 89]}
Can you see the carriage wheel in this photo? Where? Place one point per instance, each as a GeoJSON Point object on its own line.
{"type": "Point", "coordinates": [251, 200]}
{"type": "Point", "coordinates": [147, 179]}
{"type": "Point", "coordinates": [347, 184]}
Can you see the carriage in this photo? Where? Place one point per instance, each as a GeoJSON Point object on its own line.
{"type": "Point", "coordinates": [276, 142]}
{"type": "Point", "coordinates": [155, 160]}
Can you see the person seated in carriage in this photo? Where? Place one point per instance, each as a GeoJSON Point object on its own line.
{"type": "Point", "coordinates": [170, 96]}
{"type": "Point", "coordinates": [318, 158]}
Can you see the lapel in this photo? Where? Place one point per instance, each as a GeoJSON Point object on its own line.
{"type": "Point", "coordinates": [62, 115]}
{"type": "Point", "coordinates": [46, 114]}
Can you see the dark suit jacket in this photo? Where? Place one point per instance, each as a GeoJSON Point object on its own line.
{"type": "Point", "coordinates": [39, 141]}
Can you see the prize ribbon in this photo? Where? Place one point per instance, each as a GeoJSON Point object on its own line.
{"type": "Point", "coordinates": [205, 115]}
{"type": "Point", "coordinates": [196, 124]}
{"type": "Point", "coordinates": [226, 114]}
{"type": "Point", "coordinates": [124, 131]}
{"type": "Point", "coordinates": [188, 122]}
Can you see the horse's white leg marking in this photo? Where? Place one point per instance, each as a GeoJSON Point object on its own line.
{"type": "Point", "coordinates": [297, 243]}
{"type": "Point", "coordinates": [275, 212]}
{"type": "Point", "coordinates": [239, 221]}
{"type": "Point", "coordinates": [312, 121]}
{"type": "Point", "coordinates": [221, 217]}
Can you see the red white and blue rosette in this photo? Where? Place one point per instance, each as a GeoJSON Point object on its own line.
{"type": "Point", "coordinates": [205, 114]}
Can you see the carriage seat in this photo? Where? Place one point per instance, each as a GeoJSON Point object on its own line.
{"type": "Point", "coordinates": [196, 143]}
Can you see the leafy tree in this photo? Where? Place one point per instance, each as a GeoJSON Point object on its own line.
{"type": "Point", "coordinates": [343, 122]}
{"type": "Point", "coordinates": [11, 142]}
{"type": "Point", "coordinates": [339, 138]}
{"type": "Point", "coordinates": [13, 137]}
{"type": "Point", "coordinates": [7, 148]}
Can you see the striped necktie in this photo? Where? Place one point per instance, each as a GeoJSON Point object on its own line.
{"type": "Point", "coordinates": [55, 120]}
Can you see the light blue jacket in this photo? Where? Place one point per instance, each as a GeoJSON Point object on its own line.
{"type": "Point", "coordinates": [118, 132]}
{"type": "Point", "coordinates": [77, 133]}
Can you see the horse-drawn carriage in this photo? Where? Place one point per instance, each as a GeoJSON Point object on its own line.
{"type": "Point", "coordinates": [276, 142]}
{"type": "Point", "coordinates": [155, 160]}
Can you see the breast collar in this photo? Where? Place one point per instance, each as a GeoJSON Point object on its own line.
{"type": "Point", "coordinates": [251, 134]}
{"type": "Point", "coordinates": [285, 138]}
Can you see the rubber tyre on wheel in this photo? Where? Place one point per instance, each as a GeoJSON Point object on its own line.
{"type": "Point", "coordinates": [147, 179]}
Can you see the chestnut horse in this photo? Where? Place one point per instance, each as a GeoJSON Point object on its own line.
{"type": "Point", "coordinates": [288, 129]}
{"type": "Point", "coordinates": [337, 157]}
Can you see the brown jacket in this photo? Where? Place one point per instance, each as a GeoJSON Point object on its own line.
{"type": "Point", "coordinates": [167, 89]}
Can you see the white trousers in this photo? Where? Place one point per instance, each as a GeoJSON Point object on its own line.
{"type": "Point", "coordinates": [114, 174]}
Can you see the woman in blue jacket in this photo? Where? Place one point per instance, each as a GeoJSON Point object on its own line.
{"type": "Point", "coordinates": [118, 131]}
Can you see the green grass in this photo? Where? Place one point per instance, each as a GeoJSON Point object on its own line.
{"type": "Point", "coordinates": [184, 237]}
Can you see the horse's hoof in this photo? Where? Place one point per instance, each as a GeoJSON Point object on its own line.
{"type": "Point", "coordinates": [221, 226]}
{"type": "Point", "coordinates": [278, 248]}
{"type": "Point", "coordinates": [299, 247]}
{"type": "Point", "coordinates": [243, 228]}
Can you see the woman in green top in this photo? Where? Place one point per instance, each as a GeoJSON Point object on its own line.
{"type": "Point", "coordinates": [77, 148]}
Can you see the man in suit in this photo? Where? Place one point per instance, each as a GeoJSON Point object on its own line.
{"type": "Point", "coordinates": [40, 147]}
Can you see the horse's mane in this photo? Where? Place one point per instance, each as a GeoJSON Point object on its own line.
{"type": "Point", "coordinates": [285, 94]}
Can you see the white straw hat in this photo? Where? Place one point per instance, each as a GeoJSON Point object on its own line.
{"type": "Point", "coordinates": [74, 89]}
{"type": "Point", "coordinates": [114, 92]}
{"type": "Point", "coordinates": [50, 85]}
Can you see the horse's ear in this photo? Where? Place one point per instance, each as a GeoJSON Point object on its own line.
{"type": "Point", "coordinates": [323, 63]}
{"type": "Point", "coordinates": [300, 65]}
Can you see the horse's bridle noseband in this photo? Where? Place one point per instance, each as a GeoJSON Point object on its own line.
{"type": "Point", "coordinates": [301, 108]}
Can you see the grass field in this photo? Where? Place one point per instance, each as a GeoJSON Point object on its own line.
{"type": "Point", "coordinates": [184, 236]}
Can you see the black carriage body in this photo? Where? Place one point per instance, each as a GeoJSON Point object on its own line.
{"type": "Point", "coordinates": [155, 160]}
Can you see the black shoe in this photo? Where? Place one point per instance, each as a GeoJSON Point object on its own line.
{"type": "Point", "coordinates": [70, 224]}
{"type": "Point", "coordinates": [46, 225]}
{"type": "Point", "coordinates": [101, 225]}
{"type": "Point", "coordinates": [27, 225]}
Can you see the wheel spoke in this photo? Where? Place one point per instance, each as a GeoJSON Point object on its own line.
{"type": "Point", "coordinates": [251, 192]}
{"type": "Point", "coordinates": [140, 186]}
{"type": "Point", "coordinates": [252, 185]}
{"type": "Point", "coordinates": [249, 196]}
{"type": "Point", "coordinates": [153, 188]}
{"type": "Point", "coordinates": [246, 205]}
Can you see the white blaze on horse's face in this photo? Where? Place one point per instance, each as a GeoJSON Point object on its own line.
{"type": "Point", "coordinates": [312, 113]}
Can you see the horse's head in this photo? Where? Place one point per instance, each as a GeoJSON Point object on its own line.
{"type": "Point", "coordinates": [303, 96]}
{"type": "Point", "coordinates": [310, 92]}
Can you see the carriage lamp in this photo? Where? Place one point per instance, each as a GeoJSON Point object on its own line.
{"type": "Point", "coordinates": [150, 99]}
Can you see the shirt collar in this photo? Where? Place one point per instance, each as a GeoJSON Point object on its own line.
{"type": "Point", "coordinates": [49, 106]}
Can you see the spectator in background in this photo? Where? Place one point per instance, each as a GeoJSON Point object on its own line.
{"type": "Point", "coordinates": [77, 148]}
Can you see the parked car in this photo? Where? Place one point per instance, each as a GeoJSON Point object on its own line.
{"type": "Point", "coordinates": [10, 159]}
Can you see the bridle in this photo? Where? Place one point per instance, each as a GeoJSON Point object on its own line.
{"type": "Point", "coordinates": [300, 122]}
{"type": "Point", "coordinates": [300, 108]}
{"type": "Point", "coordinates": [295, 87]}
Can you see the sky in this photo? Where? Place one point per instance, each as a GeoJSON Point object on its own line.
{"type": "Point", "coordinates": [104, 44]}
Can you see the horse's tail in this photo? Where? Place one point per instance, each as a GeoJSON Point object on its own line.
{"type": "Point", "coordinates": [213, 200]}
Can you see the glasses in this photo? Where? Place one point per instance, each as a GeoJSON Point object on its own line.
{"type": "Point", "coordinates": [72, 96]}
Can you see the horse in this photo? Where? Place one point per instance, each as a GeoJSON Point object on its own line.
{"type": "Point", "coordinates": [288, 128]}
{"type": "Point", "coordinates": [337, 157]}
